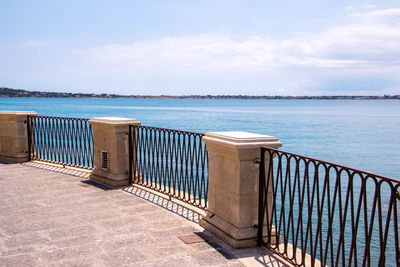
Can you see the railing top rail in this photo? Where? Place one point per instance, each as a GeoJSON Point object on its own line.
{"type": "Point", "coordinates": [369, 174]}
{"type": "Point", "coordinates": [166, 129]}
{"type": "Point", "coordinates": [54, 117]}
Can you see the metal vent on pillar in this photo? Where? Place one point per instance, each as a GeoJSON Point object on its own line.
{"type": "Point", "coordinates": [104, 159]}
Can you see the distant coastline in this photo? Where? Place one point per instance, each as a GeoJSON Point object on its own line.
{"type": "Point", "coordinates": [9, 92]}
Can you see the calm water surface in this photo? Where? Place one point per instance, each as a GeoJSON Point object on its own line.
{"type": "Point", "coordinates": [358, 133]}
{"type": "Point", "coordinates": [361, 134]}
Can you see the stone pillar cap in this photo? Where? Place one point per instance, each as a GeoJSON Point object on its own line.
{"type": "Point", "coordinates": [114, 120]}
{"type": "Point", "coordinates": [239, 139]}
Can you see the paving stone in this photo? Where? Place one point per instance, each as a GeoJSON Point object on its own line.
{"type": "Point", "coordinates": [54, 217]}
{"type": "Point", "coordinates": [18, 260]}
{"type": "Point", "coordinates": [49, 219]}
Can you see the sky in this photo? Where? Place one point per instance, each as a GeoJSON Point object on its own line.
{"type": "Point", "coordinates": [217, 47]}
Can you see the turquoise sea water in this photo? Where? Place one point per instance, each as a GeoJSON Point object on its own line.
{"type": "Point", "coordinates": [357, 133]}
{"type": "Point", "coordinates": [363, 134]}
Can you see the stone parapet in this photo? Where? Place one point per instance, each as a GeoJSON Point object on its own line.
{"type": "Point", "coordinates": [14, 135]}
{"type": "Point", "coordinates": [110, 149]}
{"type": "Point", "coordinates": [233, 185]}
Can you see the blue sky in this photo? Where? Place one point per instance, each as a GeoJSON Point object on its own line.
{"type": "Point", "coordinates": [202, 47]}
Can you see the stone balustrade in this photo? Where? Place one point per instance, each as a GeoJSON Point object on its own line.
{"type": "Point", "coordinates": [232, 174]}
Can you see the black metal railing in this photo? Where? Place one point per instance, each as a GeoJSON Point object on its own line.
{"type": "Point", "coordinates": [68, 141]}
{"type": "Point", "coordinates": [169, 161]}
{"type": "Point", "coordinates": [320, 213]}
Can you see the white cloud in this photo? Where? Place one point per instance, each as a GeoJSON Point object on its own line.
{"type": "Point", "coordinates": [360, 48]}
{"type": "Point", "coordinates": [35, 43]}
{"type": "Point", "coordinates": [379, 13]}
{"type": "Point", "coordinates": [386, 12]}
{"type": "Point", "coordinates": [363, 44]}
{"type": "Point", "coordinates": [370, 6]}
{"type": "Point", "coordinates": [364, 7]}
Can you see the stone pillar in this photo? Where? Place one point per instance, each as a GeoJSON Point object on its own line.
{"type": "Point", "coordinates": [14, 135]}
{"type": "Point", "coordinates": [110, 148]}
{"type": "Point", "coordinates": [233, 185]}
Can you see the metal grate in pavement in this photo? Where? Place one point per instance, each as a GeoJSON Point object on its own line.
{"type": "Point", "coordinates": [192, 238]}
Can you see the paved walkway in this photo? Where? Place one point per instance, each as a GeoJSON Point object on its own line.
{"type": "Point", "coordinates": [51, 216]}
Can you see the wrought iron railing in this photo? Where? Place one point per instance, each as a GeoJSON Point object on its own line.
{"type": "Point", "coordinates": [169, 161]}
{"type": "Point", "coordinates": [320, 213]}
{"type": "Point", "coordinates": [68, 141]}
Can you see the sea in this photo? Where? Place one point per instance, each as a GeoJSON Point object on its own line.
{"type": "Point", "coordinates": [363, 134]}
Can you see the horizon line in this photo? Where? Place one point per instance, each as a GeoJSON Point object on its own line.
{"type": "Point", "coordinates": [5, 91]}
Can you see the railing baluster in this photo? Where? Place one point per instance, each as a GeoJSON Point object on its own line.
{"type": "Point", "coordinates": [324, 213]}
{"type": "Point", "coordinates": [67, 141]}
{"type": "Point", "coordinates": [172, 162]}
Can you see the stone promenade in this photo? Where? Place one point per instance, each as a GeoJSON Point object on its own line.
{"type": "Point", "coordinates": [52, 216]}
